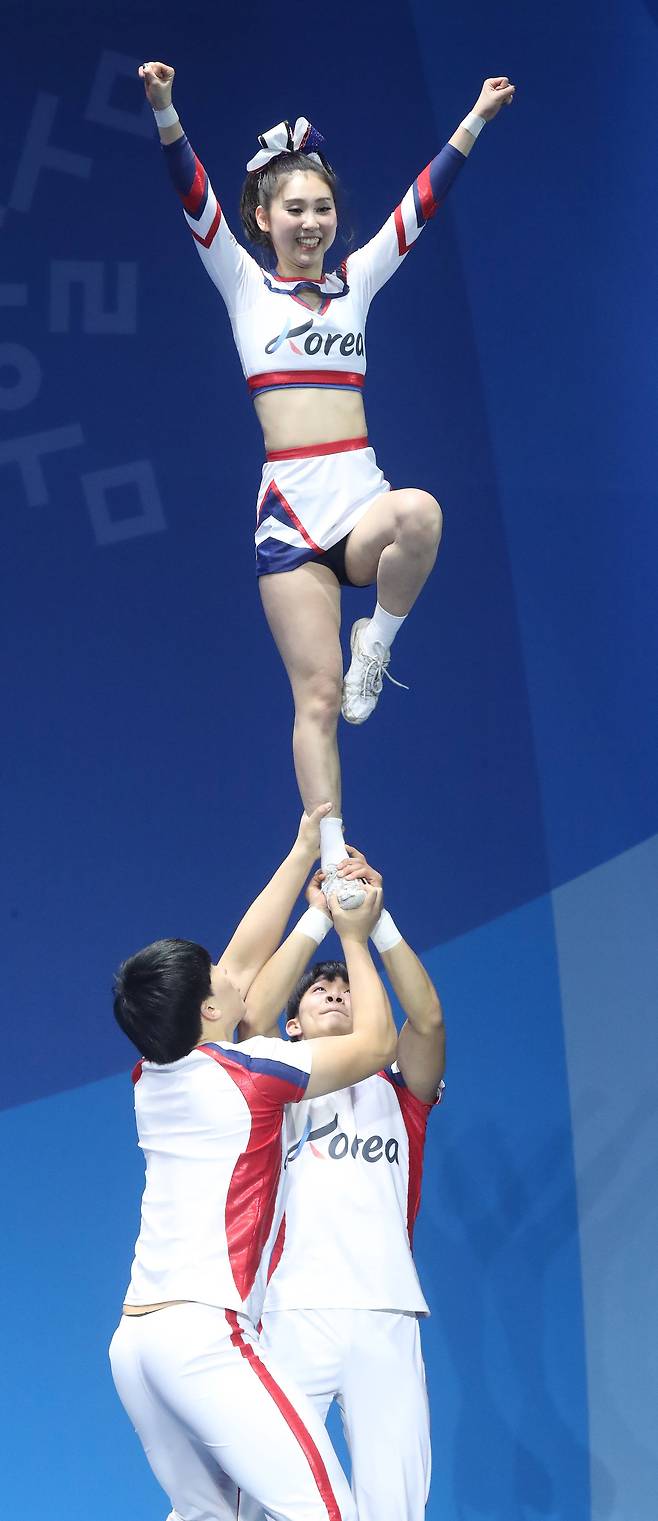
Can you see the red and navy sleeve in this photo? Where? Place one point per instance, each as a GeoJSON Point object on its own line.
{"type": "Point", "coordinates": [278, 1071]}
{"type": "Point", "coordinates": [236, 275]}
{"type": "Point", "coordinates": [405, 1095]}
{"type": "Point", "coordinates": [374, 264]}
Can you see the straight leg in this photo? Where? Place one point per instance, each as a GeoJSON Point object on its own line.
{"type": "Point", "coordinates": [386, 1416]}
{"type": "Point", "coordinates": [302, 608]}
{"type": "Point", "coordinates": [215, 1415]}
{"type": "Point", "coordinates": [302, 1344]}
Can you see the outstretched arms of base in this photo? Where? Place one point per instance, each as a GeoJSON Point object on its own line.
{"type": "Point", "coordinates": [259, 932]}
{"type": "Point", "coordinates": [271, 989]}
{"type": "Point", "coordinates": [339, 1062]}
{"type": "Point", "coordinates": [421, 1042]}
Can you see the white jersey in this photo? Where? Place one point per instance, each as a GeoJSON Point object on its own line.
{"type": "Point", "coordinates": [210, 1126]}
{"type": "Point", "coordinates": [353, 1165]}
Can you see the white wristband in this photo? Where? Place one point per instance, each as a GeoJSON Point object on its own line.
{"type": "Point", "coordinates": [167, 117]}
{"type": "Point", "coordinates": [315, 924]}
{"type": "Point", "coordinates": [473, 123]}
{"type": "Point", "coordinates": [386, 933]}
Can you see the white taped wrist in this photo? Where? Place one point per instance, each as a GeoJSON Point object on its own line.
{"type": "Point", "coordinates": [167, 117]}
{"type": "Point", "coordinates": [386, 933]}
{"type": "Point", "coordinates": [473, 123]}
{"type": "Point", "coordinates": [315, 924]}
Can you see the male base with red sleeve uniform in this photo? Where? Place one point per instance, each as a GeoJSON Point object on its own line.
{"type": "Point", "coordinates": [214, 1413]}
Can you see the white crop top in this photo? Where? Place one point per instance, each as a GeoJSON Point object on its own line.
{"type": "Point", "coordinates": [281, 341]}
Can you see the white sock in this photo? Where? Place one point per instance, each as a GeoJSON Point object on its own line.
{"type": "Point", "coordinates": [332, 843]}
{"type": "Point", "coordinates": [381, 629]}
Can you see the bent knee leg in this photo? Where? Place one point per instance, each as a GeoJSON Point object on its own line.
{"type": "Point", "coordinates": [418, 523]}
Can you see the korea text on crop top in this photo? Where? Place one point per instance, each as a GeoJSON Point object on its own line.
{"type": "Point", "coordinates": [281, 341]}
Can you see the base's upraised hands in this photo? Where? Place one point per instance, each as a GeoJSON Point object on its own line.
{"type": "Point", "coordinates": [357, 868]}
{"type": "Point", "coordinates": [357, 923]}
{"type": "Point", "coordinates": [308, 834]}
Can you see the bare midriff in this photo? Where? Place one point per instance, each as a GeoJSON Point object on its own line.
{"type": "Point", "coordinates": [294, 418]}
{"type": "Point", "coordinates": [146, 1309]}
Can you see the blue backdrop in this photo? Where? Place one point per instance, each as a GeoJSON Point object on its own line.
{"type": "Point", "coordinates": [509, 797]}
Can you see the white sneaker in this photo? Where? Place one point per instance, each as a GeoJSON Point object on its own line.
{"type": "Point", "coordinates": [364, 680]}
{"type": "Point", "coordinates": [350, 894]}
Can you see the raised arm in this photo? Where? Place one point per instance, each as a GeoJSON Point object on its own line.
{"type": "Point", "coordinates": [271, 989]}
{"type": "Point", "coordinates": [421, 1042]}
{"type": "Point", "coordinates": [495, 94]}
{"type": "Point", "coordinates": [259, 932]}
{"type": "Point", "coordinates": [158, 81]}
{"type": "Point", "coordinates": [236, 275]}
{"type": "Point", "coordinates": [374, 264]}
{"type": "Point", "coordinates": [340, 1061]}
{"type": "Point", "coordinates": [421, 1052]}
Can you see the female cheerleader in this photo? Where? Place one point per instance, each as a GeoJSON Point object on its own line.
{"type": "Point", "coordinates": [326, 516]}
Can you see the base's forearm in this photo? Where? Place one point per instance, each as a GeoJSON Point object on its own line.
{"type": "Point", "coordinates": [371, 1007]}
{"type": "Point", "coordinates": [260, 931]}
{"type": "Point", "coordinates": [271, 989]}
{"type": "Point", "coordinates": [413, 987]}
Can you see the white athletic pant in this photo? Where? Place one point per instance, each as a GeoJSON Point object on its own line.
{"type": "Point", "coordinates": [215, 1416]}
{"type": "Point", "coordinates": [370, 1362]}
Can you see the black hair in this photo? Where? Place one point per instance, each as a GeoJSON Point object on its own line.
{"type": "Point", "coordinates": [261, 185]}
{"type": "Point", "coordinates": [321, 971]}
{"type": "Point", "coordinates": [158, 994]}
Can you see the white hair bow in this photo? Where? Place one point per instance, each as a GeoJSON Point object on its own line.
{"type": "Point", "coordinates": [302, 138]}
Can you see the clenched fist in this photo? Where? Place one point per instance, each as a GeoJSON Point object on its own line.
{"type": "Point", "coordinates": [494, 94]}
{"type": "Point", "coordinates": [158, 79]}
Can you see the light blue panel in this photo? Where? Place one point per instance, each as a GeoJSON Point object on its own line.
{"type": "Point", "coordinates": [497, 1239]}
{"type": "Point", "coordinates": [71, 1192]}
{"type": "Point", "coordinates": [606, 924]}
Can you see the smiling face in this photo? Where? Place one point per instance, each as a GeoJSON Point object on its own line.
{"type": "Point", "coordinates": [301, 222]}
{"type": "Point", "coordinates": [325, 1009]}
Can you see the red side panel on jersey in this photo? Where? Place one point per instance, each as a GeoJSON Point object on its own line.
{"type": "Point", "coordinates": [252, 1191]}
{"type": "Point", "coordinates": [415, 1115]}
